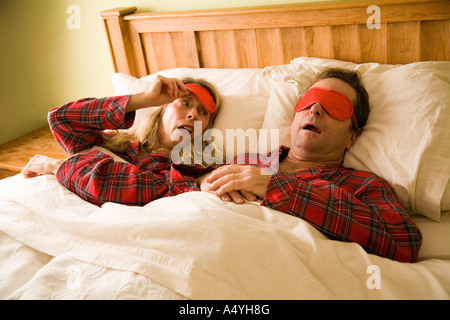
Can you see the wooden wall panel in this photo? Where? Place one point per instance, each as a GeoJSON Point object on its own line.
{"type": "Point", "coordinates": [229, 49]}
{"type": "Point", "coordinates": [164, 50]}
{"type": "Point", "coordinates": [346, 43]}
{"type": "Point", "coordinates": [411, 30]}
{"type": "Point", "coordinates": [269, 47]}
{"type": "Point", "coordinates": [294, 44]}
{"type": "Point", "coordinates": [318, 42]}
{"type": "Point", "coordinates": [225, 49]}
{"type": "Point", "coordinates": [191, 49]}
{"type": "Point", "coordinates": [403, 41]}
{"type": "Point", "coordinates": [436, 33]}
{"type": "Point", "coordinates": [373, 44]}
{"type": "Point", "coordinates": [208, 53]}
{"type": "Point", "coordinates": [247, 49]}
{"type": "Point", "coordinates": [156, 51]}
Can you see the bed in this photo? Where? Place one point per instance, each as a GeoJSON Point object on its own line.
{"type": "Point", "coordinates": [193, 246]}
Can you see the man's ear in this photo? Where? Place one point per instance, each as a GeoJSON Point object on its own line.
{"type": "Point", "coordinates": [354, 135]}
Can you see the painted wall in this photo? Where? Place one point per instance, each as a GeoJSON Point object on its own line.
{"type": "Point", "coordinates": [44, 63]}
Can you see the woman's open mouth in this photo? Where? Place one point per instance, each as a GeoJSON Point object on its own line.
{"type": "Point", "coordinates": [189, 129]}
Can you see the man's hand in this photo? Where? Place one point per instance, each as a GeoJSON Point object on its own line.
{"type": "Point", "coordinates": [237, 182]}
{"type": "Point", "coordinates": [238, 197]}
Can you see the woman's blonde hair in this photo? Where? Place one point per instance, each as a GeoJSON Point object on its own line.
{"type": "Point", "coordinates": [147, 129]}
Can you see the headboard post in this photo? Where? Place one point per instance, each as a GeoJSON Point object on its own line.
{"type": "Point", "coordinates": [119, 39]}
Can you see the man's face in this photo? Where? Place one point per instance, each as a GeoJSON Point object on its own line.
{"type": "Point", "coordinates": [316, 135]}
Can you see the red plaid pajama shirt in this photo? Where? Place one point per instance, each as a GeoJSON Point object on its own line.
{"type": "Point", "coordinates": [344, 204]}
{"type": "Point", "coordinates": [94, 175]}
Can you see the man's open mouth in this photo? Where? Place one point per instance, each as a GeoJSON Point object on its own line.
{"type": "Point", "coordinates": [312, 127]}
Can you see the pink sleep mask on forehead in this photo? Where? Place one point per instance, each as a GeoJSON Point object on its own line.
{"type": "Point", "coordinates": [335, 103]}
{"type": "Point", "coordinates": [204, 96]}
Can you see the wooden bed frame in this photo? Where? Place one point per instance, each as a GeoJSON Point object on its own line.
{"type": "Point", "coordinates": [410, 31]}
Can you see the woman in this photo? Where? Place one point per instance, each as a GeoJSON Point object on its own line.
{"type": "Point", "coordinates": [140, 168]}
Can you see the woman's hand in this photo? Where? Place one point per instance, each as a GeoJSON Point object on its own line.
{"type": "Point", "coordinates": [39, 165]}
{"type": "Point", "coordinates": [165, 90]}
{"type": "Point", "coordinates": [162, 91]}
{"type": "Point", "coordinates": [237, 182]}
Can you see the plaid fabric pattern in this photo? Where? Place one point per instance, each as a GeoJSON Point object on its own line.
{"type": "Point", "coordinates": [77, 126]}
{"type": "Point", "coordinates": [347, 205]}
{"type": "Point", "coordinates": [94, 175]}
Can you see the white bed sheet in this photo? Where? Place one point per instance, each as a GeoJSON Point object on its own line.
{"type": "Point", "coordinates": [193, 246]}
{"type": "Point", "coordinates": [31, 274]}
{"type": "Point", "coordinates": [436, 237]}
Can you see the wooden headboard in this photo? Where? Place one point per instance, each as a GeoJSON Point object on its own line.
{"type": "Point", "coordinates": [409, 31]}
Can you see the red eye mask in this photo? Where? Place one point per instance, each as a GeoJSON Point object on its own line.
{"type": "Point", "coordinates": [335, 103]}
{"type": "Point", "coordinates": [204, 96]}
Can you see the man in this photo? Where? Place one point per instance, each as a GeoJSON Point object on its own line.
{"type": "Point", "coordinates": [343, 203]}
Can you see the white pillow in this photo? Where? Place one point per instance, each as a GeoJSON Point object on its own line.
{"type": "Point", "coordinates": [244, 96]}
{"type": "Point", "coordinates": [406, 140]}
{"type": "Point", "coordinates": [280, 111]}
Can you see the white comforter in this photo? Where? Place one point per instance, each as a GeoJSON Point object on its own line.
{"type": "Point", "coordinates": [54, 245]}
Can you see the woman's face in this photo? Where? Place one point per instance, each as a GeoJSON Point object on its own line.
{"type": "Point", "coordinates": [179, 117]}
